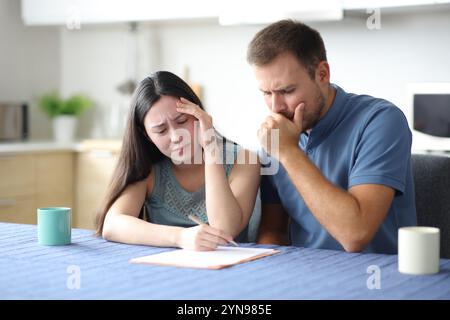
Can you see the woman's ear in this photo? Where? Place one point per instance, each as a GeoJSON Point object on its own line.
{"type": "Point", "coordinates": [144, 133]}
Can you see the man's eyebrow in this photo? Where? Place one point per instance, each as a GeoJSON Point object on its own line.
{"type": "Point", "coordinates": [286, 88]}
{"type": "Point", "coordinates": [163, 123]}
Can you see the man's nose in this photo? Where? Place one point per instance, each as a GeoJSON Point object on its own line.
{"type": "Point", "coordinates": [278, 104]}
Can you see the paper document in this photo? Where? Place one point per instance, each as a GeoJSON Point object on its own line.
{"type": "Point", "coordinates": [220, 258]}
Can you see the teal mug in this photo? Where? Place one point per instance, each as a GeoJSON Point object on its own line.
{"type": "Point", "coordinates": [54, 226]}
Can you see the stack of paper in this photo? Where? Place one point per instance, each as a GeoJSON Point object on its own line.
{"type": "Point", "coordinates": [220, 258]}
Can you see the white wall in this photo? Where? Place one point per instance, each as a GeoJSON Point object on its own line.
{"type": "Point", "coordinates": [407, 48]}
{"type": "Point", "coordinates": [29, 64]}
{"type": "Point", "coordinates": [217, 60]}
{"type": "Point", "coordinates": [411, 47]}
{"type": "Point", "coordinates": [95, 61]}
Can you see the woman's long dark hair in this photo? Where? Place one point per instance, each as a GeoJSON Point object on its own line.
{"type": "Point", "coordinates": [138, 153]}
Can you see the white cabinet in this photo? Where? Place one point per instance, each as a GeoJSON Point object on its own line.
{"type": "Point", "coordinates": [73, 12]}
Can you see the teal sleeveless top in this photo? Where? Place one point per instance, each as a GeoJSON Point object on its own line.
{"type": "Point", "coordinates": [170, 204]}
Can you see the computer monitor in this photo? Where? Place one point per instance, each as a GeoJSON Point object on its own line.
{"type": "Point", "coordinates": [428, 112]}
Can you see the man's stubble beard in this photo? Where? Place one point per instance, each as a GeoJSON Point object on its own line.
{"type": "Point", "coordinates": [314, 118]}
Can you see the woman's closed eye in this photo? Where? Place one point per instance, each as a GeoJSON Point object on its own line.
{"type": "Point", "coordinates": [161, 131]}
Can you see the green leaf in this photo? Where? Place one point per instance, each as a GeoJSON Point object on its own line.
{"type": "Point", "coordinates": [76, 104]}
{"type": "Point", "coordinates": [52, 104]}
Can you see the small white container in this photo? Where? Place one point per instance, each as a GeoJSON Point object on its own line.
{"type": "Point", "coordinates": [418, 250]}
{"type": "Point", "coordinates": [64, 128]}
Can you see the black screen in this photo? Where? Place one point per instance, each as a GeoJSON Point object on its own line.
{"type": "Point", "coordinates": [432, 114]}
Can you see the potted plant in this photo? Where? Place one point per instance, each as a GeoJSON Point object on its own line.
{"type": "Point", "coordinates": [64, 113]}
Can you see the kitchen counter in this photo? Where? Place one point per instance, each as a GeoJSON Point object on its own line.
{"type": "Point", "coordinates": [44, 146]}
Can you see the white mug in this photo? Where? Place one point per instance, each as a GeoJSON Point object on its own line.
{"type": "Point", "coordinates": [418, 250]}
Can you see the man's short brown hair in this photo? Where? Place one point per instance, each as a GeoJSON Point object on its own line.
{"type": "Point", "coordinates": [288, 36]}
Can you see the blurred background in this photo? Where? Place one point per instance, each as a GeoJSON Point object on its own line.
{"type": "Point", "coordinates": [101, 49]}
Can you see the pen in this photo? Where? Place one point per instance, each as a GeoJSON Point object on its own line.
{"type": "Point", "coordinates": [197, 220]}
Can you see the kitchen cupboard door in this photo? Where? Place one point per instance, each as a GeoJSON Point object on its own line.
{"type": "Point", "coordinates": [94, 170]}
{"type": "Point", "coordinates": [17, 188]}
{"type": "Point", "coordinates": [17, 175]}
{"type": "Point", "coordinates": [33, 180]}
{"type": "Point", "coordinates": [18, 209]}
{"type": "Point", "coordinates": [54, 179]}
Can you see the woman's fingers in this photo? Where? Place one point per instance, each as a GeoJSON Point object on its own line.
{"type": "Point", "coordinates": [186, 101]}
{"type": "Point", "coordinates": [191, 109]}
{"type": "Point", "coordinates": [212, 238]}
{"type": "Point", "coordinates": [204, 245]}
{"type": "Point", "coordinates": [185, 106]}
{"type": "Point", "coordinates": [205, 120]}
{"type": "Point", "coordinates": [218, 233]}
{"type": "Point", "coordinates": [183, 103]}
{"type": "Point", "coordinates": [205, 238]}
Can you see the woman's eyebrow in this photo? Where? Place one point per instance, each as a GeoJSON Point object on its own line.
{"type": "Point", "coordinates": [163, 123]}
{"type": "Point", "coordinates": [158, 125]}
{"type": "Point", "coordinates": [178, 117]}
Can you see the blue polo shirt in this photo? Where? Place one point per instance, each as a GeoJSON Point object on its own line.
{"type": "Point", "coordinates": [360, 140]}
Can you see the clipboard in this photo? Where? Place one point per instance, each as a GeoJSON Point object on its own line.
{"type": "Point", "coordinates": [220, 258]}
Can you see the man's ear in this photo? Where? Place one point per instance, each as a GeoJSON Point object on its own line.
{"type": "Point", "coordinates": [323, 72]}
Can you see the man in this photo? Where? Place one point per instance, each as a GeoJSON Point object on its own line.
{"type": "Point", "coordinates": [345, 180]}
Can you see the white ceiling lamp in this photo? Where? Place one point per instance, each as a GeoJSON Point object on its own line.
{"type": "Point", "coordinates": [128, 86]}
{"type": "Point", "coordinates": [363, 4]}
{"type": "Point", "coordinates": [236, 12]}
{"type": "Point", "coordinates": [54, 12]}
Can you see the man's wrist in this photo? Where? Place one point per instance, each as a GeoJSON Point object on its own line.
{"type": "Point", "coordinates": [287, 153]}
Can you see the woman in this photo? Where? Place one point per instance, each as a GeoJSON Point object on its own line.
{"type": "Point", "coordinates": [171, 170]}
